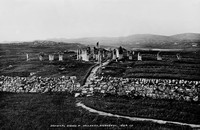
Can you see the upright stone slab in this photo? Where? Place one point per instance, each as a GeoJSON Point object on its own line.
{"type": "Point", "coordinates": [51, 57]}
{"type": "Point", "coordinates": [139, 56]}
{"type": "Point", "coordinates": [178, 56]}
{"type": "Point", "coordinates": [27, 57]}
{"type": "Point", "coordinates": [158, 56]}
{"type": "Point", "coordinates": [60, 57]}
{"type": "Point", "coordinates": [40, 57]}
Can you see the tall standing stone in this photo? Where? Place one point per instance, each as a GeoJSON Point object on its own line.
{"type": "Point", "coordinates": [139, 56]}
{"type": "Point", "coordinates": [27, 57]}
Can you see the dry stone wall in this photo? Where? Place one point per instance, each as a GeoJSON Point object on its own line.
{"type": "Point", "coordinates": [38, 84]}
{"type": "Point", "coordinates": [154, 88]}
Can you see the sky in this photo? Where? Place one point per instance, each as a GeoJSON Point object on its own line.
{"type": "Point", "coordinates": [24, 20]}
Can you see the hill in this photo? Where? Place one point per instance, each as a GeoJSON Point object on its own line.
{"type": "Point", "coordinates": [185, 40]}
{"type": "Point", "coordinates": [195, 37]}
{"type": "Point", "coordinates": [178, 41]}
{"type": "Point", "coordinates": [37, 46]}
{"type": "Point", "coordinates": [49, 43]}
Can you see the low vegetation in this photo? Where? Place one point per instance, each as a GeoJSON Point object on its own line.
{"type": "Point", "coordinates": [13, 61]}
{"type": "Point", "coordinates": [58, 110]}
{"type": "Point", "coordinates": [147, 108]}
{"type": "Point", "coordinates": [50, 110]}
{"type": "Point", "coordinates": [169, 69]}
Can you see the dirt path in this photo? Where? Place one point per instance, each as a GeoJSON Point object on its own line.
{"type": "Point", "coordinates": [93, 72]}
{"type": "Point", "coordinates": [79, 104]}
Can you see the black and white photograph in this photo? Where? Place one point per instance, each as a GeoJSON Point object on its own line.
{"type": "Point", "coordinates": [100, 64]}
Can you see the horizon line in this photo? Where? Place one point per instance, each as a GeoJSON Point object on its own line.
{"type": "Point", "coordinates": [49, 39]}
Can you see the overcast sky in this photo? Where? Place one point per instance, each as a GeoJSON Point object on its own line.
{"type": "Point", "coordinates": [42, 19]}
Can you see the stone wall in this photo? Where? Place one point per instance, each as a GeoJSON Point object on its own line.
{"type": "Point", "coordinates": [154, 88]}
{"type": "Point", "coordinates": [38, 84]}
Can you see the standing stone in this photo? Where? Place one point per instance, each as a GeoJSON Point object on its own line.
{"type": "Point", "coordinates": [40, 57]}
{"type": "Point", "coordinates": [139, 56]}
{"type": "Point", "coordinates": [60, 57]}
{"type": "Point", "coordinates": [178, 56]}
{"type": "Point", "coordinates": [27, 57]}
{"type": "Point", "coordinates": [158, 56]}
{"type": "Point", "coordinates": [51, 57]}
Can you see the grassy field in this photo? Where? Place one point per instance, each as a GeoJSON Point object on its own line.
{"type": "Point", "coordinates": [13, 61]}
{"type": "Point", "coordinates": [186, 68]}
{"type": "Point", "coordinates": [58, 110]}
{"type": "Point", "coordinates": [51, 110]}
{"type": "Point", "coordinates": [148, 108]}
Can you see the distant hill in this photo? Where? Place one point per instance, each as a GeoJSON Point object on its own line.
{"type": "Point", "coordinates": [186, 40]}
{"type": "Point", "coordinates": [187, 37]}
{"type": "Point", "coordinates": [37, 47]}
{"type": "Point", "coordinates": [48, 43]}
{"type": "Point", "coordinates": [179, 41]}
